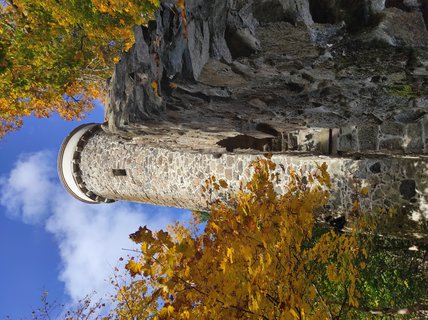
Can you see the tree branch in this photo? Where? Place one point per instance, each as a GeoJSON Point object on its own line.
{"type": "Point", "coordinates": [189, 285]}
{"type": "Point", "coordinates": [389, 311]}
{"type": "Point", "coordinates": [324, 302]}
{"type": "Point", "coordinates": [343, 303]}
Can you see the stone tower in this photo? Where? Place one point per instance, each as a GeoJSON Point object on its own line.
{"type": "Point", "coordinates": [208, 91]}
{"type": "Point", "coordinates": [96, 166]}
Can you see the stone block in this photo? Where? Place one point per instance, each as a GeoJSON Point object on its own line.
{"type": "Point", "coordinates": [392, 128]}
{"type": "Point", "coordinates": [376, 6]}
{"type": "Point", "coordinates": [414, 138]}
{"type": "Point", "coordinates": [348, 130]}
{"type": "Point", "coordinates": [240, 166]}
{"type": "Point", "coordinates": [228, 174]}
{"type": "Point", "coordinates": [229, 161]}
{"type": "Point", "coordinates": [400, 28]}
{"type": "Point", "coordinates": [408, 189]}
{"type": "Point", "coordinates": [375, 167]}
{"type": "Point", "coordinates": [347, 142]}
{"type": "Point", "coordinates": [391, 144]}
{"type": "Point", "coordinates": [367, 137]}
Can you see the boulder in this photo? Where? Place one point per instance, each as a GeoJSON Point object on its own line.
{"type": "Point", "coordinates": [399, 28]}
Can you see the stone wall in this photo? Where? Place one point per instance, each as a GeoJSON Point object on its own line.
{"type": "Point", "coordinates": [115, 168]}
{"type": "Point", "coordinates": [387, 138]}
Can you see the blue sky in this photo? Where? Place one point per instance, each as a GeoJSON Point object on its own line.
{"type": "Point", "coordinates": [48, 240]}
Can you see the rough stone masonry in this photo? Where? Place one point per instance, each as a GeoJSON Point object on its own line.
{"type": "Point", "coordinates": [119, 169]}
{"type": "Point", "coordinates": [207, 91]}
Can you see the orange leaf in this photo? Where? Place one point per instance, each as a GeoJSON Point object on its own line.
{"type": "Point", "coordinates": [222, 183]}
{"type": "Point", "coordinates": [134, 268]}
{"type": "Point", "coordinates": [155, 87]}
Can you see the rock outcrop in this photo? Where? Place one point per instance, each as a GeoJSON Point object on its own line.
{"type": "Point", "coordinates": [272, 68]}
{"type": "Point", "coordinates": [343, 78]}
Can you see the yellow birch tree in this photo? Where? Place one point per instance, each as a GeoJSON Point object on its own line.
{"type": "Point", "coordinates": [257, 258]}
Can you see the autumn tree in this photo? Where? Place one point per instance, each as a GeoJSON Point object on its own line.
{"type": "Point", "coordinates": [257, 258]}
{"type": "Point", "coordinates": [261, 255]}
{"type": "Point", "coordinates": [56, 55]}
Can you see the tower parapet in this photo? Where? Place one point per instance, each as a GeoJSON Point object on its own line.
{"type": "Point", "coordinates": [69, 159]}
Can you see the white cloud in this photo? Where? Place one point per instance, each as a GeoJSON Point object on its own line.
{"type": "Point", "coordinates": [90, 237]}
{"type": "Point", "coordinates": [25, 192]}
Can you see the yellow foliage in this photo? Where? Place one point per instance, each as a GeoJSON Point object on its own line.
{"type": "Point", "coordinates": [364, 191]}
{"type": "Point", "coordinates": [155, 87]}
{"type": "Point", "coordinates": [256, 257]}
{"type": "Point", "coordinates": [181, 6]}
{"type": "Point", "coordinates": [51, 49]}
{"type": "Point", "coordinates": [134, 268]}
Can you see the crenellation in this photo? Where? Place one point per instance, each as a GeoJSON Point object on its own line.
{"type": "Point", "coordinates": [368, 137]}
{"type": "Point", "coordinates": [391, 129]}
{"type": "Point", "coordinates": [414, 135]}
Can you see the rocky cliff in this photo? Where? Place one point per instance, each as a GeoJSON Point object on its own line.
{"type": "Point", "coordinates": [229, 74]}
